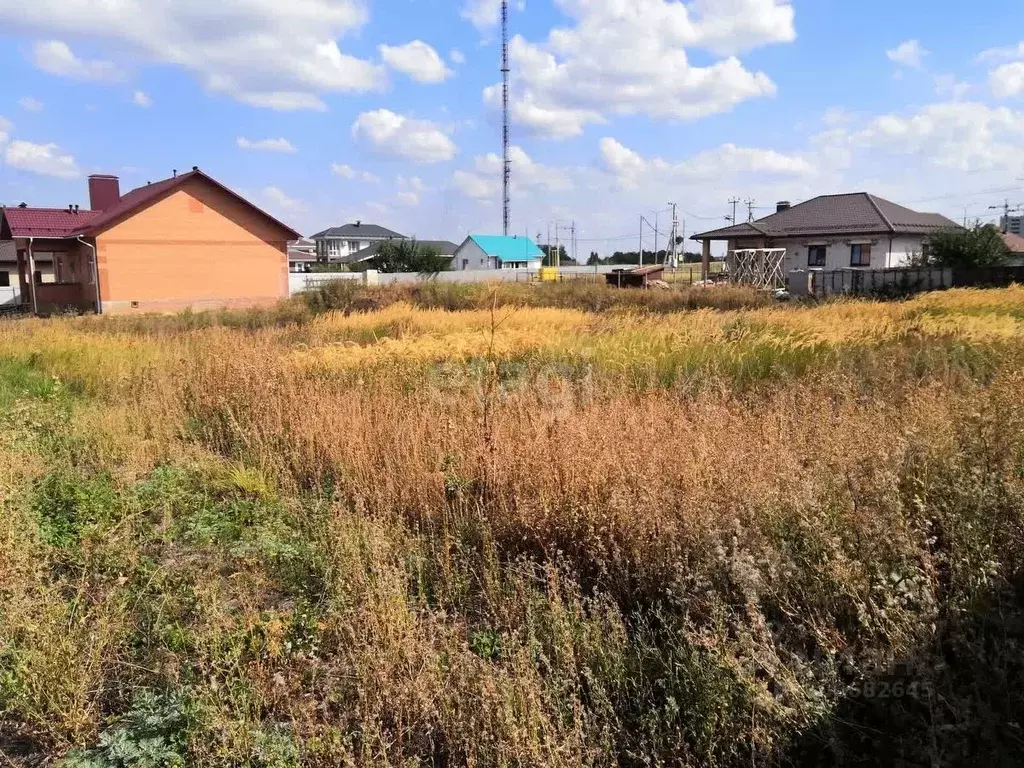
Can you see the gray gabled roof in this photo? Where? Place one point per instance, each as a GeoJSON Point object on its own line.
{"type": "Point", "coordinates": [358, 231]}
{"type": "Point", "coordinates": [858, 213]}
{"type": "Point", "coordinates": [443, 247]}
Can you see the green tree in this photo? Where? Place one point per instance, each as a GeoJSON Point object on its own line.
{"type": "Point", "coordinates": [563, 257]}
{"type": "Point", "coordinates": [409, 256]}
{"type": "Point", "coordinates": [982, 246]}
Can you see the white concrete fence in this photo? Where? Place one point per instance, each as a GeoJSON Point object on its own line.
{"type": "Point", "coordinates": [309, 281]}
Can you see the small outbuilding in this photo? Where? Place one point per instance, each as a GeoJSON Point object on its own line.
{"type": "Point", "coordinates": [497, 252]}
{"type": "Point", "coordinates": [641, 277]}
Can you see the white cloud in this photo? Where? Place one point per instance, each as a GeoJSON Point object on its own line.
{"type": "Point", "coordinates": [142, 99]}
{"type": "Point", "coordinates": [44, 159]}
{"type": "Point", "coordinates": [410, 190]}
{"type": "Point", "coordinates": [388, 133]}
{"type": "Point", "coordinates": [836, 116]}
{"type": "Point", "coordinates": [417, 60]}
{"type": "Point", "coordinates": [6, 126]}
{"type": "Point", "coordinates": [457, 56]}
{"type": "Point", "coordinates": [630, 58]}
{"type": "Point", "coordinates": [266, 145]}
{"type": "Point", "coordinates": [963, 136]}
{"type": "Point", "coordinates": [350, 173]}
{"type": "Point", "coordinates": [1002, 54]}
{"type": "Point", "coordinates": [282, 202]}
{"type": "Point", "coordinates": [482, 14]}
{"type": "Point", "coordinates": [948, 87]}
{"type": "Point", "coordinates": [485, 180]}
{"type": "Point", "coordinates": [476, 186]}
{"type": "Point", "coordinates": [909, 53]}
{"type": "Point", "coordinates": [30, 105]}
{"type": "Point", "coordinates": [275, 55]}
{"type": "Point", "coordinates": [630, 168]}
{"type": "Point", "coordinates": [56, 58]}
{"type": "Point", "coordinates": [1008, 80]}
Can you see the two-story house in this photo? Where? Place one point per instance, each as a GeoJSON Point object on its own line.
{"type": "Point", "coordinates": [336, 244]}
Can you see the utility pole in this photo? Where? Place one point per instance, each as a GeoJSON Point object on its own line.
{"type": "Point", "coordinates": [655, 237]}
{"type": "Point", "coordinates": [734, 201]}
{"type": "Point", "coordinates": [640, 252]}
{"type": "Point", "coordinates": [673, 250]}
{"type": "Point", "coordinates": [558, 253]}
{"type": "Point", "coordinates": [750, 211]}
{"type": "Point", "coordinates": [574, 242]}
{"type": "Point", "coordinates": [1007, 210]}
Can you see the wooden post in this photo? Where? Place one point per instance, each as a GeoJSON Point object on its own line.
{"type": "Point", "coordinates": [705, 261]}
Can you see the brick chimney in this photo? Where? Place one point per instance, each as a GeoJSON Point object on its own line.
{"type": "Point", "coordinates": [104, 192]}
{"type": "Point", "coordinates": [782, 205]}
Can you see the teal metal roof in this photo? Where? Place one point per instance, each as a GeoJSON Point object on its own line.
{"type": "Point", "coordinates": [508, 248]}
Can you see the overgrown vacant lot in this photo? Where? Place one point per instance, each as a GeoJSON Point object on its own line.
{"type": "Point", "coordinates": [565, 526]}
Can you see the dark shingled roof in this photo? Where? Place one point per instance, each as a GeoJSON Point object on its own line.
{"type": "Point", "coordinates": [443, 247]}
{"type": "Point", "coordinates": [858, 213]}
{"type": "Point", "coordinates": [358, 231]}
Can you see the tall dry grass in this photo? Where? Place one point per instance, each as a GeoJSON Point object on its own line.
{"type": "Point", "coordinates": [514, 535]}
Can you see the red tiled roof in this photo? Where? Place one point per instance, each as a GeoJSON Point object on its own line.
{"type": "Point", "coordinates": [137, 198]}
{"type": "Point", "coordinates": [143, 195]}
{"type": "Point", "coordinates": [58, 223]}
{"type": "Point", "coordinates": [46, 222]}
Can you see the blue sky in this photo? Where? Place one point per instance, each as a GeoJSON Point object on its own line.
{"type": "Point", "coordinates": [326, 111]}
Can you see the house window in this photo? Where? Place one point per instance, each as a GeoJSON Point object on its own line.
{"type": "Point", "coordinates": [39, 277]}
{"type": "Point", "coordinates": [483, 262]}
{"type": "Point", "coordinates": [5, 279]}
{"type": "Point", "coordinates": [816, 256]}
{"type": "Point", "coordinates": [860, 255]}
{"type": "Point", "coordinates": [465, 263]}
{"type": "Point", "coordinates": [353, 245]}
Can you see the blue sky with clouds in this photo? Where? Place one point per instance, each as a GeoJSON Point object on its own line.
{"type": "Point", "coordinates": [386, 110]}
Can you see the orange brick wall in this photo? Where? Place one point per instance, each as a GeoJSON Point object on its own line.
{"type": "Point", "coordinates": [198, 247]}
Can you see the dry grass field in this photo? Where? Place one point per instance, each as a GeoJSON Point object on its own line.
{"type": "Point", "coordinates": [516, 526]}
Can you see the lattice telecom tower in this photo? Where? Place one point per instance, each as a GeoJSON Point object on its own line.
{"type": "Point", "coordinates": [507, 164]}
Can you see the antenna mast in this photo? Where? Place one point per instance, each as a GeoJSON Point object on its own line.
{"type": "Point", "coordinates": [507, 164]}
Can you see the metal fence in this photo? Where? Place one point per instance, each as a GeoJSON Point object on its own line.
{"type": "Point", "coordinates": [987, 277]}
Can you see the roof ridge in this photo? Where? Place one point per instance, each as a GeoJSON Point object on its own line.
{"type": "Point", "coordinates": [48, 210]}
{"type": "Point", "coordinates": [878, 210]}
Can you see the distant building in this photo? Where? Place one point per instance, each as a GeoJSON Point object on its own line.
{"type": "Point", "coordinates": [1012, 224]}
{"type": "Point", "coordinates": [497, 252]}
{"type": "Point", "coordinates": [442, 247]}
{"type": "Point", "coordinates": [1016, 245]}
{"type": "Point", "coordinates": [338, 243]}
{"type": "Point", "coordinates": [301, 255]}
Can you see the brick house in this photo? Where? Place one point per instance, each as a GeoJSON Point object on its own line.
{"type": "Point", "coordinates": [184, 242]}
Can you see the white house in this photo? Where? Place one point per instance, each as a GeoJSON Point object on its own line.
{"type": "Point", "coordinates": [831, 232]}
{"type": "Point", "coordinates": [497, 252]}
{"type": "Point", "coordinates": [338, 243]}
